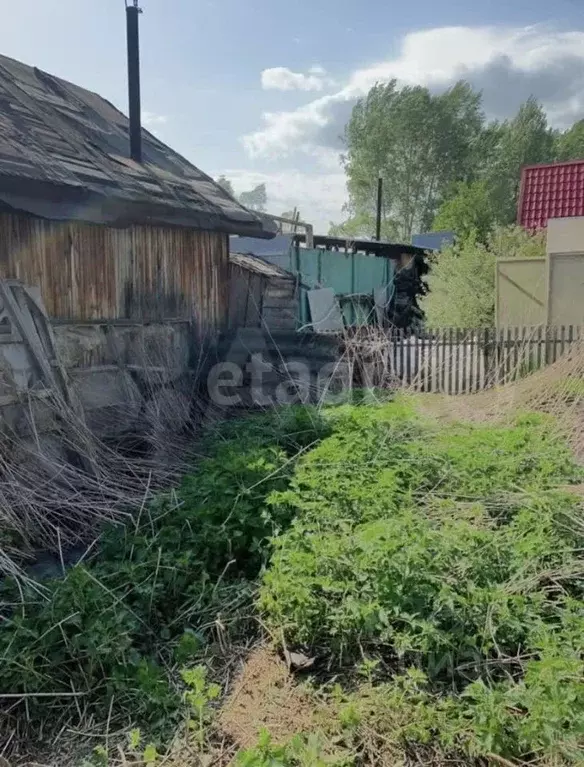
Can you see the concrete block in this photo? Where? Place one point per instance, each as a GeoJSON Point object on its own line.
{"type": "Point", "coordinates": [110, 399]}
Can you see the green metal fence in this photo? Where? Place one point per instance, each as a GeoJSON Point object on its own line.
{"type": "Point", "coordinates": [353, 277]}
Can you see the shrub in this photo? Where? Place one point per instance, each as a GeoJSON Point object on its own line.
{"type": "Point", "coordinates": [109, 629]}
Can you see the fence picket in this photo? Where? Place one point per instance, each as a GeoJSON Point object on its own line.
{"type": "Point", "coordinates": [471, 362]}
{"type": "Point", "coordinates": [440, 359]}
{"type": "Point", "coordinates": [464, 360]}
{"type": "Point", "coordinates": [421, 363]}
{"type": "Point", "coordinates": [400, 336]}
{"type": "Point", "coordinates": [456, 359]}
{"type": "Point", "coordinates": [508, 359]}
{"type": "Point", "coordinates": [407, 352]}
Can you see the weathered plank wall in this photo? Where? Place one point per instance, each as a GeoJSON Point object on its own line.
{"type": "Point", "coordinates": [246, 295]}
{"type": "Point", "coordinates": [92, 272]}
{"type": "Point", "coordinates": [262, 298]}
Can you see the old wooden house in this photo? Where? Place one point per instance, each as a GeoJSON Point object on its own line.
{"type": "Point", "coordinates": [105, 236]}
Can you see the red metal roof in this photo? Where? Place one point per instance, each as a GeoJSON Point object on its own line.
{"type": "Point", "coordinates": [550, 191]}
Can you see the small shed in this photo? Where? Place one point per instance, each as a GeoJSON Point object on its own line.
{"type": "Point", "coordinates": [261, 294]}
{"type": "Point", "coordinates": [105, 237]}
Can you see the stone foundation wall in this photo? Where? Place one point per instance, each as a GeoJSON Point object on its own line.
{"type": "Point", "coordinates": [117, 371]}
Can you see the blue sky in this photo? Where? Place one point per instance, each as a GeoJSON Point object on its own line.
{"type": "Point", "coordinates": [260, 89]}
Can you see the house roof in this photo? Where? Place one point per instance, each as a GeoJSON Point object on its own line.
{"type": "Point", "coordinates": [373, 247]}
{"type": "Point", "coordinates": [257, 265]}
{"type": "Point", "coordinates": [550, 191]}
{"type": "Point", "coordinates": [64, 154]}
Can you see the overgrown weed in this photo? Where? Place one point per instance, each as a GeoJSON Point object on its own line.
{"type": "Point", "coordinates": [443, 553]}
{"type": "Point", "coordinates": [439, 564]}
{"type": "Point", "coordinates": [107, 639]}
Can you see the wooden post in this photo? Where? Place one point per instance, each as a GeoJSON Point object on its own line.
{"type": "Point", "coordinates": [448, 351]}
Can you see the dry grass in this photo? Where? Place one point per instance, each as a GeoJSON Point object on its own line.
{"type": "Point", "coordinates": [267, 697]}
{"type": "Point", "coordinates": [557, 389]}
{"type": "Point", "coordinates": [60, 482]}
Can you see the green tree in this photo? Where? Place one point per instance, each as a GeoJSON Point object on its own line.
{"type": "Point", "coordinates": [421, 143]}
{"type": "Point", "coordinates": [292, 214]}
{"type": "Point", "coordinates": [470, 209]}
{"type": "Point", "coordinates": [362, 226]}
{"type": "Point", "coordinates": [462, 277]}
{"type": "Point", "coordinates": [255, 199]}
{"type": "Point", "coordinates": [525, 140]}
{"type": "Point", "coordinates": [570, 143]}
{"type": "Point", "coordinates": [226, 184]}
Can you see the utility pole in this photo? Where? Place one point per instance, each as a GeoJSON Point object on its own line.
{"type": "Point", "coordinates": [379, 204]}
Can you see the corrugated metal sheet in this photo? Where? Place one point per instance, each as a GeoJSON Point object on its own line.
{"type": "Point", "coordinates": [433, 240]}
{"type": "Point", "coordinates": [278, 246]}
{"type": "Point", "coordinates": [349, 274]}
{"type": "Point", "coordinates": [550, 191]}
{"type": "Point", "coordinates": [90, 272]}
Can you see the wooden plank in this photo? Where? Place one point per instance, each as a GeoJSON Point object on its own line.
{"type": "Point", "coordinates": [432, 361]}
{"type": "Point", "coordinates": [516, 357]}
{"type": "Point", "coordinates": [465, 361]}
{"type": "Point", "coordinates": [448, 350]}
{"type": "Point", "coordinates": [421, 364]}
{"type": "Point", "coordinates": [554, 331]}
{"type": "Point", "coordinates": [414, 355]}
{"type": "Point", "coordinates": [489, 358]}
{"type": "Point", "coordinates": [407, 351]}
{"type": "Point", "coordinates": [400, 341]}
{"type": "Point", "coordinates": [456, 360]}
{"type": "Point", "coordinates": [428, 364]}
{"type": "Point", "coordinates": [436, 360]}
{"type": "Point", "coordinates": [443, 361]}
{"type": "Point", "coordinates": [499, 358]}
{"type": "Point", "coordinates": [507, 355]}
{"type": "Point", "coordinates": [471, 373]}
{"type": "Point", "coordinates": [478, 361]}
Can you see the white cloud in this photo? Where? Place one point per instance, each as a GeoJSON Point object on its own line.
{"type": "Point", "coordinates": [318, 196]}
{"type": "Point", "coordinates": [508, 64]}
{"type": "Point", "coordinates": [284, 79]}
{"type": "Point", "coordinates": [153, 120]}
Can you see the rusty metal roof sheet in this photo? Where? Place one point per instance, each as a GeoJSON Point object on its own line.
{"type": "Point", "coordinates": [64, 154]}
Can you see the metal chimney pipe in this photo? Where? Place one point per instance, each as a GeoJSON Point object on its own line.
{"type": "Point", "coordinates": [133, 29]}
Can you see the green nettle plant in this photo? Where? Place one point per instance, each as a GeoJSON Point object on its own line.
{"type": "Point", "coordinates": [441, 562]}
{"type": "Point", "coordinates": [450, 550]}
